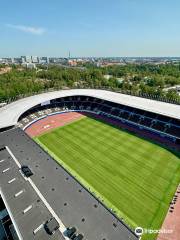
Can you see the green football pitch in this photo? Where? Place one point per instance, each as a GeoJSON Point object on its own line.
{"type": "Point", "coordinates": [132, 176]}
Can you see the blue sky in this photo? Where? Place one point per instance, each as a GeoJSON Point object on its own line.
{"type": "Point", "coordinates": [90, 27]}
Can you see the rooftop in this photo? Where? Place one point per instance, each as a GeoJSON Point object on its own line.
{"type": "Point", "coordinates": [10, 113]}
{"type": "Point", "coordinates": [71, 202]}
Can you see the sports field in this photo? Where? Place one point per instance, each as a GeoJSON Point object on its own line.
{"type": "Point", "coordinates": [134, 177]}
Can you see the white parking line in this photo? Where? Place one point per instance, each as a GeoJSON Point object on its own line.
{"type": "Point", "coordinates": [27, 209]}
{"type": "Point", "coordinates": [19, 193]}
{"type": "Point", "coordinates": [2, 160]}
{"type": "Point", "coordinates": [62, 227]}
{"type": "Point", "coordinates": [38, 228]}
{"type": "Point", "coordinates": [5, 170]}
{"type": "Point", "coordinates": [12, 180]}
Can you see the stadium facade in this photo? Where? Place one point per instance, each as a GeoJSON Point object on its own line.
{"type": "Point", "coordinates": [32, 202]}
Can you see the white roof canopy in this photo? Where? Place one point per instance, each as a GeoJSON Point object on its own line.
{"type": "Point", "coordinates": [10, 113]}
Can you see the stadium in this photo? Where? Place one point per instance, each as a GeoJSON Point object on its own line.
{"type": "Point", "coordinates": [89, 164]}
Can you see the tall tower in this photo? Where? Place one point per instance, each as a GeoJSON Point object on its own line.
{"type": "Point", "coordinates": [69, 54]}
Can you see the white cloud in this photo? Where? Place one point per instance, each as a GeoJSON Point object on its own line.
{"type": "Point", "coordinates": [28, 29]}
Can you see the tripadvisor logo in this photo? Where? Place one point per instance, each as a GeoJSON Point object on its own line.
{"type": "Point", "coordinates": [139, 231]}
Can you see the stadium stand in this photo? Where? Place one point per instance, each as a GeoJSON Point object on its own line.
{"type": "Point", "coordinates": [72, 202]}
{"type": "Point", "coordinates": [151, 125]}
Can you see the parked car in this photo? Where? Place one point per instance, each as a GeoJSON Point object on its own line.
{"type": "Point", "coordinates": [51, 226]}
{"type": "Point", "coordinates": [27, 171]}
{"type": "Point", "coordinates": [78, 237]}
{"type": "Point", "coordinates": [70, 232]}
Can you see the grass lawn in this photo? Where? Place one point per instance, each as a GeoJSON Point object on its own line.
{"type": "Point", "coordinates": [134, 177]}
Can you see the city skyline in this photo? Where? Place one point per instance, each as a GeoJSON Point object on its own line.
{"type": "Point", "coordinates": [96, 29]}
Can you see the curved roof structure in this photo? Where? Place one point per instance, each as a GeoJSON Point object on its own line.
{"type": "Point", "coordinates": [10, 113]}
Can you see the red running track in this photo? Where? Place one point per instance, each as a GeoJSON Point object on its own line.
{"type": "Point", "coordinates": [50, 122]}
{"type": "Point", "coordinates": [172, 220]}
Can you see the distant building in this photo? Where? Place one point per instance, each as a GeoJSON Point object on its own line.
{"type": "Point", "coordinates": [56, 60]}
{"type": "Point", "coordinates": [44, 60]}
{"type": "Point", "coordinates": [7, 60]}
{"type": "Point", "coordinates": [72, 63]}
{"type": "Point", "coordinates": [175, 88]}
{"type": "Point", "coordinates": [35, 59]}
{"type": "Point", "coordinates": [28, 59]}
{"type": "Point", "coordinates": [29, 65]}
{"type": "Point", "coordinates": [23, 59]}
{"type": "Point", "coordinates": [98, 64]}
{"type": "Point", "coordinates": [17, 60]}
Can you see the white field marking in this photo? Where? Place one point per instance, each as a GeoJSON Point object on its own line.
{"type": "Point", "coordinates": [38, 228]}
{"type": "Point", "coordinates": [5, 170]}
{"type": "Point", "coordinates": [18, 193]}
{"type": "Point", "coordinates": [2, 160]}
{"type": "Point", "coordinates": [62, 227]}
{"type": "Point", "coordinates": [46, 126]}
{"type": "Point", "coordinates": [27, 209]}
{"type": "Point", "coordinates": [11, 216]}
{"type": "Point", "coordinates": [12, 180]}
